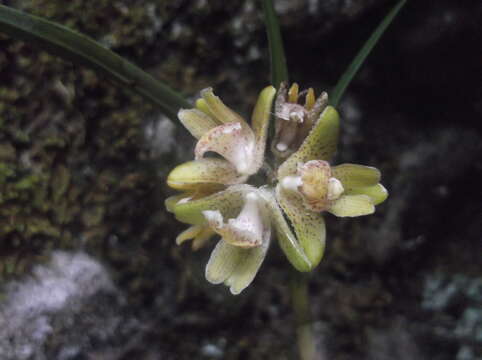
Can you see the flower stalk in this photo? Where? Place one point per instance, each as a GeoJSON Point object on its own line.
{"type": "Point", "coordinates": [301, 305]}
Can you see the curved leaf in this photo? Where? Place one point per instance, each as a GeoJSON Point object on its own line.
{"type": "Point", "coordinates": [81, 49]}
{"type": "Point", "coordinates": [279, 70]}
{"type": "Point", "coordinates": [359, 59]}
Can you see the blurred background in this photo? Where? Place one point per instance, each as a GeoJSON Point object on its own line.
{"type": "Point", "coordinates": [88, 264]}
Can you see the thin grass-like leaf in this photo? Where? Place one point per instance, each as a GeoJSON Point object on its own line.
{"type": "Point", "coordinates": [279, 70]}
{"type": "Point", "coordinates": [81, 49]}
{"type": "Point", "coordinates": [357, 62]}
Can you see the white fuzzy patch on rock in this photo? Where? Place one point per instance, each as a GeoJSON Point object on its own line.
{"type": "Point", "coordinates": [25, 313]}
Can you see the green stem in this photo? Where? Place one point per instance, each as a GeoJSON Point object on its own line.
{"type": "Point", "coordinates": [301, 306]}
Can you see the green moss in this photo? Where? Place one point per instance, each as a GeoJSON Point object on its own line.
{"type": "Point", "coordinates": [70, 171]}
{"type": "Point", "coordinates": [7, 152]}
{"type": "Point", "coordinates": [6, 171]}
{"type": "Point", "coordinates": [115, 24]}
{"type": "Point", "coordinates": [40, 225]}
{"type": "Point", "coordinates": [27, 182]}
{"type": "Point", "coordinates": [60, 182]}
{"type": "Point", "coordinates": [93, 216]}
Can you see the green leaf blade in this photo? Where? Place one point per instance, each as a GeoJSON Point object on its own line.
{"type": "Point", "coordinates": [360, 58]}
{"type": "Point", "coordinates": [279, 69]}
{"type": "Point", "coordinates": [83, 50]}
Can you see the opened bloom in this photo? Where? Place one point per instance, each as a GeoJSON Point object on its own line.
{"type": "Point", "coordinates": [308, 186]}
{"type": "Point", "coordinates": [221, 130]}
{"type": "Point", "coordinates": [216, 201]}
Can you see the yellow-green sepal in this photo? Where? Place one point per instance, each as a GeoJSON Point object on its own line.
{"type": "Point", "coordinates": [286, 239]}
{"type": "Point", "coordinates": [172, 201]}
{"type": "Point", "coordinates": [361, 180]}
{"type": "Point", "coordinates": [193, 174]}
{"type": "Point", "coordinates": [262, 113]}
{"type": "Point", "coordinates": [377, 193]}
{"type": "Point", "coordinates": [202, 105]}
{"type": "Point", "coordinates": [196, 121]}
{"type": "Point", "coordinates": [309, 226]}
{"type": "Point", "coordinates": [229, 202]}
{"type": "Point", "coordinates": [218, 109]}
{"type": "Point", "coordinates": [199, 235]}
{"type": "Point", "coordinates": [260, 124]}
{"type": "Point", "coordinates": [235, 266]}
{"type": "Point", "coordinates": [352, 206]}
{"type": "Point", "coordinates": [354, 176]}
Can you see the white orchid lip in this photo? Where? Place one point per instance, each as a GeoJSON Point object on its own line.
{"type": "Point", "coordinates": [245, 240]}
{"type": "Point", "coordinates": [246, 230]}
{"type": "Point", "coordinates": [315, 184]}
{"type": "Point", "coordinates": [249, 220]}
{"type": "Point", "coordinates": [291, 183]}
{"type": "Point", "coordinates": [335, 189]}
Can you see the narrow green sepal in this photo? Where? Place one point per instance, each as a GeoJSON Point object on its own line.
{"type": "Point", "coordinates": [309, 226]}
{"type": "Point", "coordinates": [229, 202]}
{"type": "Point", "coordinates": [262, 113]}
{"type": "Point", "coordinates": [354, 175]}
{"type": "Point", "coordinates": [352, 206]}
{"type": "Point", "coordinates": [193, 174]}
{"type": "Point", "coordinates": [377, 193]}
{"type": "Point", "coordinates": [286, 239]}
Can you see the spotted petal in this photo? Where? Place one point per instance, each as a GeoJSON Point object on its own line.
{"type": "Point", "coordinates": [234, 141]}
{"type": "Point", "coordinates": [320, 144]}
{"type": "Point", "coordinates": [309, 226]}
{"type": "Point", "coordinates": [204, 172]}
{"type": "Point", "coordinates": [235, 266]}
{"type": "Point", "coordinates": [228, 202]}
{"type": "Point", "coordinates": [352, 205]}
{"type": "Point", "coordinates": [286, 239]}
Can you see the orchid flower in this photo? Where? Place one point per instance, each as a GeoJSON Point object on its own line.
{"type": "Point", "coordinates": [308, 186]}
{"type": "Point", "coordinates": [221, 130]}
{"type": "Point", "coordinates": [216, 200]}
{"type": "Point", "coordinates": [213, 189]}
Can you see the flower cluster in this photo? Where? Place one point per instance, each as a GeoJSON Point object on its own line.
{"type": "Point", "coordinates": [216, 199]}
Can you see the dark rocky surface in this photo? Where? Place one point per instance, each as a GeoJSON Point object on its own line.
{"type": "Point", "coordinates": [87, 256]}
